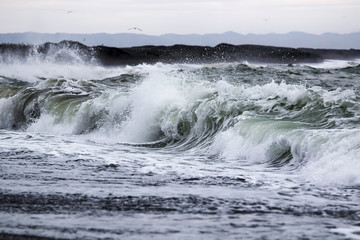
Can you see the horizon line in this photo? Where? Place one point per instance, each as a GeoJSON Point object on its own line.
{"type": "Point", "coordinates": [184, 34]}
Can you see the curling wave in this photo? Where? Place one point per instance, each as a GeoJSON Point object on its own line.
{"type": "Point", "coordinates": [218, 110]}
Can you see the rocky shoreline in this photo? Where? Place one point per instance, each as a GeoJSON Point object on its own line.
{"type": "Point", "coordinates": [111, 56]}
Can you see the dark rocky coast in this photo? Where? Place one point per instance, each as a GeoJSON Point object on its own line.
{"type": "Point", "coordinates": [111, 56]}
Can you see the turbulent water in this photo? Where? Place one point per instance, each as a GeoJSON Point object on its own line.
{"type": "Point", "coordinates": [177, 151]}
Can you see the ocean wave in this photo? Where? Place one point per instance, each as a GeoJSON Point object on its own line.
{"type": "Point", "coordinates": [306, 129]}
{"type": "Point", "coordinates": [177, 104]}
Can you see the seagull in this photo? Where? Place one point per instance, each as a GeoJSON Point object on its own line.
{"type": "Point", "coordinates": [68, 12]}
{"type": "Point", "coordinates": [135, 28]}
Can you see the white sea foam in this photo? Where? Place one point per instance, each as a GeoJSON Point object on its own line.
{"type": "Point", "coordinates": [57, 63]}
{"type": "Point", "coordinates": [336, 159]}
{"type": "Point", "coordinates": [321, 156]}
{"type": "Point", "coordinates": [33, 72]}
{"type": "Point", "coordinates": [350, 232]}
{"type": "Point", "coordinates": [156, 97]}
{"type": "Point", "coordinates": [48, 123]}
{"type": "Point", "coordinates": [333, 64]}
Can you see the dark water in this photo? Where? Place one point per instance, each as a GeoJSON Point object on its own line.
{"type": "Point", "coordinates": [223, 151]}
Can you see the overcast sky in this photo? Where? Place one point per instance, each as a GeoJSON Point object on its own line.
{"type": "Point", "coordinates": [158, 17]}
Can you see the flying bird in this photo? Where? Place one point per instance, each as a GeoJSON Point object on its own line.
{"type": "Point", "coordinates": [68, 12]}
{"type": "Point", "coordinates": [135, 28]}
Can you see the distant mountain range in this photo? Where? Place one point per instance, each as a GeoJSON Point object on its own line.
{"type": "Point", "coordinates": [292, 39]}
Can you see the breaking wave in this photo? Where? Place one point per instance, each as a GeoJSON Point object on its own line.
{"type": "Point", "coordinates": [293, 118]}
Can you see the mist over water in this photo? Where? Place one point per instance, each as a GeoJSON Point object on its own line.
{"type": "Point", "coordinates": [232, 150]}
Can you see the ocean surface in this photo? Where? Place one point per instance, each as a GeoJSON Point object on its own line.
{"type": "Point", "coordinates": [179, 151]}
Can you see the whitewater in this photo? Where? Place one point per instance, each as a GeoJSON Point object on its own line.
{"type": "Point", "coordinates": [178, 151]}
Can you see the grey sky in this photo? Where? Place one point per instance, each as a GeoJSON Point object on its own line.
{"type": "Point", "coordinates": [157, 17]}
